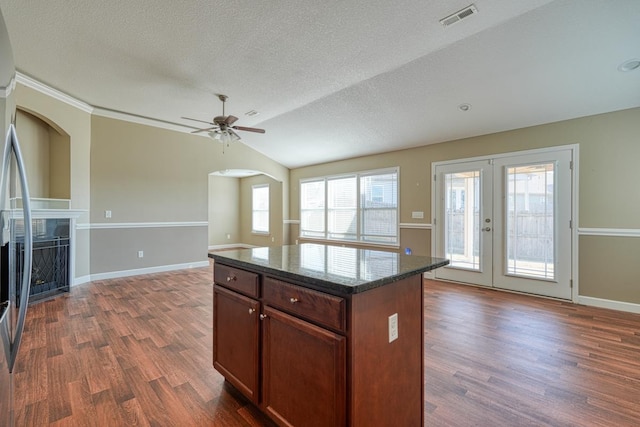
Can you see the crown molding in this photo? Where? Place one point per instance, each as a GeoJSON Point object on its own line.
{"type": "Point", "coordinates": [53, 93]}
{"type": "Point", "coordinates": [6, 91]}
{"type": "Point", "coordinates": [34, 84]}
{"type": "Point", "coordinates": [119, 115]}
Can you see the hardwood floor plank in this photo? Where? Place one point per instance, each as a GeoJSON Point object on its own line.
{"type": "Point", "coordinates": [137, 352]}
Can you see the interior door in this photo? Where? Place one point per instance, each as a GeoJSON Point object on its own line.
{"type": "Point", "coordinates": [506, 222]}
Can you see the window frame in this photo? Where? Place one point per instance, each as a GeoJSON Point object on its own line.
{"type": "Point", "coordinates": [255, 187]}
{"type": "Point", "coordinates": [359, 236]}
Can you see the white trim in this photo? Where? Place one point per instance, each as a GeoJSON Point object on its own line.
{"type": "Point", "coordinates": [6, 91]}
{"type": "Point", "coordinates": [610, 304]}
{"type": "Point", "coordinates": [117, 225]}
{"type": "Point", "coordinates": [609, 232]}
{"type": "Point", "coordinates": [53, 93]}
{"type": "Point", "coordinates": [291, 221]}
{"type": "Point", "coordinates": [550, 149]}
{"type": "Point", "coordinates": [77, 281]}
{"type": "Point", "coordinates": [416, 225]}
{"type": "Point", "coordinates": [147, 270]}
{"type": "Point", "coordinates": [87, 108]}
{"type": "Point", "coordinates": [119, 115]}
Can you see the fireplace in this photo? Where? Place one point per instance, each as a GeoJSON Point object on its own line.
{"type": "Point", "coordinates": [50, 260]}
{"type": "Point", "coordinates": [53, 226]}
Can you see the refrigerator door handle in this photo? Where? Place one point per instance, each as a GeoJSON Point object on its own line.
{"type": "Point", "coordinates": [12, 144]}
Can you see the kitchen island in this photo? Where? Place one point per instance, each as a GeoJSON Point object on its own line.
{"type": "Point", "coordinates": [322, 335]}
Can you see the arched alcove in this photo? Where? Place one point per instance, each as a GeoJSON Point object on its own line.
{"type": "Point", "coordinates": [230, 209]}
{"type": "Point", "coordinates": [46, 152]}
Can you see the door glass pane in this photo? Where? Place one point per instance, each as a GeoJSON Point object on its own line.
{"type": "Point", "coordinates": [462, 219]}
{"type": "Point", "coordinates": [530, 221]}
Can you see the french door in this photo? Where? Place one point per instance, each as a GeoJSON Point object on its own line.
{"type": "Point", "coordinates": [506, 222]}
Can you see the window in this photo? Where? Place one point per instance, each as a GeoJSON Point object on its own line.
{"type": "Point", "coordinates": [260, 208]}
{"type": "Point", "coordinates": [359, 207]}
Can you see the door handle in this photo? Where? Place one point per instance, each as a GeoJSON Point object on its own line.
{"type": "Point", "coordinates": [486, 229]}
{"type": "Point", "coordinates": [12, 144]}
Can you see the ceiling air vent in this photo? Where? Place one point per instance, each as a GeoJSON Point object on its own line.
{"type": "Point", "coordinates": [459, 16]}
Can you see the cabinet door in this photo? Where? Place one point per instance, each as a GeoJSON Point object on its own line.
{"type": "Point", "coordinates": [304, 372]}
{"type": "Point", "coordinates": [236, 340]}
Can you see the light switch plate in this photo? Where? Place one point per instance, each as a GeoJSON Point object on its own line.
{"type": "Point", "coordinates": [393, 327]}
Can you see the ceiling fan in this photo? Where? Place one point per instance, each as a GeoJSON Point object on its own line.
{"type": "Point", "coordinates": [222, 127]}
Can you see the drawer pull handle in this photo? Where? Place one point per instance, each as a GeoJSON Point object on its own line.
{"type": "Point", "coordinates": [293, 300]}
{"type": "Point", "coordinates": [263, 316]}
{"type": "Point", "coordinates": [252, 310]}
{"type": "Point", "coordinates": [231, 278]}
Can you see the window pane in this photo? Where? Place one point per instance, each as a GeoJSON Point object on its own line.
{"type": "Point", "coordinates": [360, 207]}
{"type": "Point", "coordinates": [379, 195]}
{"type": "Point", "coordinates": [462, 219]}
{"type": "Point", "coordinates": [530, 221]}
{"type": "Point", "coordinates": [312, 221]}
{"type": "Point", "coordinates": [342, 208]}
{"type": "Point", "coordinates": [260, 207]}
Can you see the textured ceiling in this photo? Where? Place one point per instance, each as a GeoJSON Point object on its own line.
{"type": "Point", "coordinates": [335, 79]}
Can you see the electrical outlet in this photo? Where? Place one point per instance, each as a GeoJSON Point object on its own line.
{"type": "Point", "coordinates": [107, 214]}
{"type": "Point", "coordinates": [393, 327]}
{"type": "Point", "coordinates": [228, 236]}
{"type": "Point", "coordinates": [140, 254]}
{"type": "Point", "coordinates": [273, 239]}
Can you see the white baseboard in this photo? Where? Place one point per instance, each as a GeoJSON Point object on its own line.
{"type": "Point", "coordinates": [80, 280]}
{"type": "Point", "coordinates": [607, 303]}
{"type": "Point", "coordinates": [139, 271]}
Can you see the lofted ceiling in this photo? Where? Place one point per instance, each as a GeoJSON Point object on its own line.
{"type": "Point", "coordinates": [335, 79]}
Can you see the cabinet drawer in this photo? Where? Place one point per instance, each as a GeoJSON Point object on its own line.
{"type": "Point", "coordinates": [242, 281]}
{"type": "Point", "coordinates": [312, 305]}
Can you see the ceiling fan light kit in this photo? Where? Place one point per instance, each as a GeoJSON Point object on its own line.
{"type": "Point", "coordinates": [222, 128]}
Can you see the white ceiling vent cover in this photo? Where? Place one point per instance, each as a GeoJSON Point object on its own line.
{"type": "Point", "coordinates": [459, 16]}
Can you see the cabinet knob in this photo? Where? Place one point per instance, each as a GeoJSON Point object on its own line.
{"type": "Point", "coordinates": [263, 316]}
{"type": "Point", "coordinates": [231, 278]}
{"type": "Point", "coordinates": [293, 300]}
{"type": "Point", "coordinates": [252, 310]}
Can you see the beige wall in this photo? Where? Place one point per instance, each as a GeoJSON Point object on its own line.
{"type": "Point", "coordinates": [34, 142]}
{"type": "Point", "coordinates": [608, 193]}
{"type": "Point", "coordinates": [276, 232]}
{"type": "Point", "coordinates": [68, 120]}
{"type": "Point", "coordinates": [143, 175]}
{"type": "Point", "coordinates": [47, 157]}
{"type": "Point", "coordinates": [224, 210]}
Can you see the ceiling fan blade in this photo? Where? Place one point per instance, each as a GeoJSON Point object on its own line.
{"type": "Point", "coordinates": [204, 130]}
{"type": "Point", "coordinates": [256, 130]}
{"type": "Point", "coordinates": [232, 132]}
{"type": "Point", "coordinates": [230, 120]}
{"type": "Point", "coordinates": [196, 120]}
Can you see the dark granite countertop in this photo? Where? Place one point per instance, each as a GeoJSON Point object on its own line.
{"type": "Point", "coordinates": [330, 268]}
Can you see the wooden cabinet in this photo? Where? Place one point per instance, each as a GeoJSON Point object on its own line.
{"type": "Point", "coordinates": [311, 358]}
{"type": "Point", "coordinates": [303, 372]}
{"type": "Point", "coordinates": [236, 340]}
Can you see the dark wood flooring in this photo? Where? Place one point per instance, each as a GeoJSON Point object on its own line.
{"type": "Point", "coordinates": [137, 352]}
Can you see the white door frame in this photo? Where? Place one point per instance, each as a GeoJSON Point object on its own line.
{"type": "Point", "coordinates": [575, 156]}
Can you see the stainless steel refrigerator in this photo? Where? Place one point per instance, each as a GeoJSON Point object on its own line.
{"type": "Point", "coordinates": [15, 226]}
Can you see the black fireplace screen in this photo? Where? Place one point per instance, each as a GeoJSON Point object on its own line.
{"type": "Point", "coordinates": [50, 267]}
